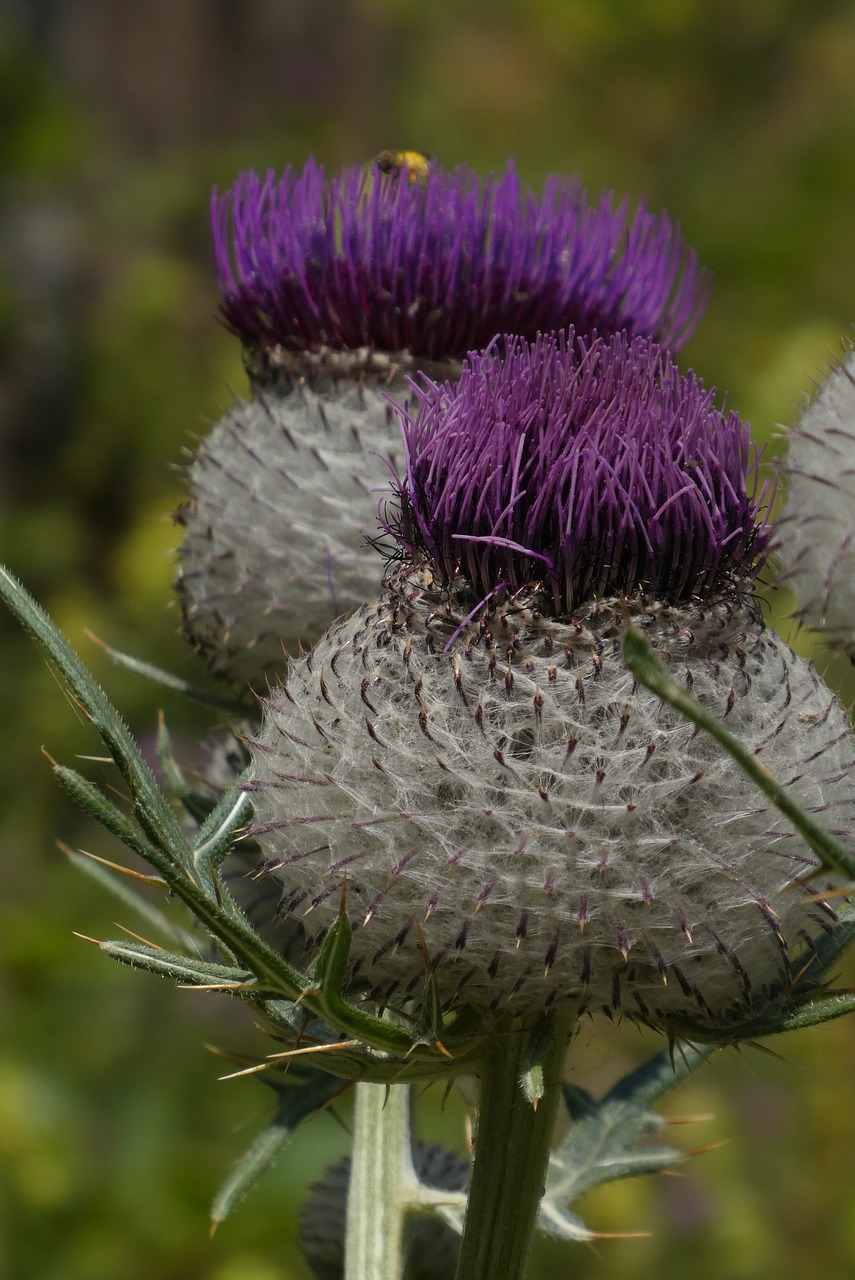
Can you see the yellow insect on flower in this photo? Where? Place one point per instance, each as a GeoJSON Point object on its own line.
{"type": "Point", "coordinates": [414, 163]}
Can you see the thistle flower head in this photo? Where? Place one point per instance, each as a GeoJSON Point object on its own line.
{"type": "Point", "coordinates": [592, 468]}
{"type": "Point", "coordinates": [816, 531]}
{"type": "Point", "coordinates": [436, 269]}
{"type": "Point", "coordinates": [468, 762]}
{"type": "Point", "coordinates": [337, 286]}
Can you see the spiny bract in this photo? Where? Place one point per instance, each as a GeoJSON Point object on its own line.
{"type": "Point", "coordinates": [554, 831]}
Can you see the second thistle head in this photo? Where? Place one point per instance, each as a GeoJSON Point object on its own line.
{"type": "Point", "coordinates": [336, 286]}
{"type": "Point", "coordinates": [361, 267]}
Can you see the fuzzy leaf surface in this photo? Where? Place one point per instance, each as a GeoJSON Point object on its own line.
{"type": "Point", "coordinates": [602, 1144]}
{"type": "Point", "coordinates": [169, 964]}
{"type": "Point", "coordinates": [152, 810]}
{"type": "Point", "coordinates": [222, 827]}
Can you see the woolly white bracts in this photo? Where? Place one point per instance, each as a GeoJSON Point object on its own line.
{"type": "Point", "coordinates": [817, 529]}
{"type": "Point", "coordinates": [553, 832]}
{"type": "Point", "coordinates": [283, 495]}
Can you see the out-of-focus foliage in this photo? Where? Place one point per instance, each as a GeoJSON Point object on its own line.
{"type": "Point", "coordinates": [116, 121]}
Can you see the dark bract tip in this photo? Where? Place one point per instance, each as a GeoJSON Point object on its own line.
{"type": "Point", "coordinates": [438, 268]}
{"type": "Point", "coordinates": [589, 468]}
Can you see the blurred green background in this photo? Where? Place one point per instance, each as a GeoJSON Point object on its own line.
{"type": "Point", "coordinates": [115, 121]}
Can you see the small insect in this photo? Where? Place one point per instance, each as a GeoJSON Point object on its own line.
{"type": "Point", "coordinates": [414, 163]}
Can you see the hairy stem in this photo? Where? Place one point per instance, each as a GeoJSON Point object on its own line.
{"type": "Point", "coordinates": [520, 1086]}
{"type": "Point", "coordinates": [382, 1183]}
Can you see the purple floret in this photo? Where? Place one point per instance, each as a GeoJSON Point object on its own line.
{"type": "Point", "coordinates": [590, 468]}
{"type": "Point", "coordinates": [436, 270]}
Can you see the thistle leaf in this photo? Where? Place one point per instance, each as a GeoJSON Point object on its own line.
{"type": "Point", "coordinates": [195, 802]}
{"type": "Point", "coordinates": [167, 680]}
{"type": "Point", "coordinates": [163, 844]}
{"type": "Point", "coordinates": [117, 884]}
{"type": "Point", "coordinates": [173, 775]}
{"type": "Point", "coordinates": [92, 800]}
{"type": "Point", "coordinates": [642, 661]}
{"type": "Point", "coordinates": [825, 1009]}
{"type": "Point", "coordinates": [184, 969]}
{"type": "Point", "coordinates": [222, 827]}
{"type": "Point", "coordinates": [153, 812]}
{"type": "Point", "coordinates": [602, 1145]}
{"type": "Point", "coordinates": [328, 972]}
{"type": "Point", "coordinates": [828, 948]}
{"type": "Point", "coordinates": [297, 1101]}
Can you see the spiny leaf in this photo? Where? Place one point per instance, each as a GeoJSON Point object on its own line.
{"type": "Point", "coordinates": [171, 855]}
{"type": "Point", "coordinates": [195, 802]}
{"type": "Point", "coordinates": [93, 801]}
{"type": "Point", "coordinates": [827, 950]}
{"type": "Point", "coordinates": [824, 1009]}
{"type": "Point", "coordinates": [328, 973]}
{"type": "Point", "coordinates": [221, 828]}
{"type": "Point", "coordinates": [173, 774]}
{"type": "Point", "coordinates": [532, 1081]}
{"type": "Point", "coordinates": [184, 969]}
{"type": "Point", "coordinates": [117, 884]}
{"type": "Point", "coordinates": [155, 815]}
{"type": "Point", "coordinates": [601, 1145]}
{"type": "Point", "coordinates": [297, 1102]}
{"type": "Point", "coordinates": [169, 681]}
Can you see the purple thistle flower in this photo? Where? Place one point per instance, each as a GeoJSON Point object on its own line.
{"type": "Point", "coordinates": [590, 468]}
{"type": "Point", "coordinates": [467, 764]}
{"type": "Point", "coordinates": [336, 289]}
{"type": "Point", "coordinates": [436, 270]}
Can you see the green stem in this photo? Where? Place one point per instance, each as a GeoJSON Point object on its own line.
{"type": "Point", "coordinates": [512, 1146]}
{"type": "Point", "coordinates": [382, 1183]}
